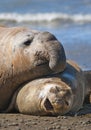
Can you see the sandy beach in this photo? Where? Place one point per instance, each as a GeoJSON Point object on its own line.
{"type": "Point", "coordinates": [27, 122]}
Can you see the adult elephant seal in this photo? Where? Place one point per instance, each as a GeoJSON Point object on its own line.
{"type": "Point", "coordinates": [57, 94]}
{"type": "Point", "coordinates": [25, 55]}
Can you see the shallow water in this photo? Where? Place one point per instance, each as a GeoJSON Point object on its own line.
{"type": "Point", "coordinates": [68, 20]}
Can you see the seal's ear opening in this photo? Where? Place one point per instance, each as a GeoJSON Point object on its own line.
{"type": "Point", "coordinates": [47, 104]}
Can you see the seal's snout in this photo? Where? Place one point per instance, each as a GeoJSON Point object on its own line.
{"type": "Point", "coordinates": [52, 51]}
{"type": "Point", "coordinates": [56, 99]}
{"type": "Point", "coordinates": [63, 102]}
{"type": "Point", "coordinates": [59, 100]}
{"type": "Point", "coordinates": [58, 103]}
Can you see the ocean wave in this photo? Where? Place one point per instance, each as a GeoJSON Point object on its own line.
{"type": "Point", "coordinates": [47, 17]}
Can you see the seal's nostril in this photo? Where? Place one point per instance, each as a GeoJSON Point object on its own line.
{"type": "Point", "coordinates": [66, 102]}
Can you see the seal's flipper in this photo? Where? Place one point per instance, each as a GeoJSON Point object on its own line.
{"type": "Point", "coordinates": [87, 75]}
{"type": "Point", "coordinates": [86, 109]}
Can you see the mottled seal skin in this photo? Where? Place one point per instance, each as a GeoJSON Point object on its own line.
{"type": "Point", "coordinates": [57, 94]}
{"type": "Point", "coordinates": [25, 55]}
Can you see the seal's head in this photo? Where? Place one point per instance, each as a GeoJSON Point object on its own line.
{"type": "Point", "coordinates": [44, 97]}
{"type": "Point", "coordinates": [56, 99]}
{"type": "Point", "coordinates": [34, 48]}
{"type": "Point", "coordinates": [25, 55]}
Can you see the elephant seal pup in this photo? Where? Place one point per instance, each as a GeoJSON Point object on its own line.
{"type": "Point", "coordinates": [25, 55]}
{"type": "Point", "coordinates": [57, 94]}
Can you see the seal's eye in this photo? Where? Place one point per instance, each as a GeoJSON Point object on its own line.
{"type": "Point", "coordinates": [28, 42]}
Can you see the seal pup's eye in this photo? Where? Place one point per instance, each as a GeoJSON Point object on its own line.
{"type": "Point", "coordinates": [28, 42]}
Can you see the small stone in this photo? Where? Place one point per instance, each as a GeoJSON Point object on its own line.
{"type": "Point", "coordinates": [13, 124]}
{"type": "Point", "coordinates": [58, 117]}
{"type": "Point", "coordinates": [19, 129]}
{"type": "Point", "coordinates": [52, 122]}
{"type": "Point", "coordinates": [46, 120]}
{"type": "Point", "coordinates": [64, 117]}
{"type": "Point", "coordinates": [69, 129]}
{"type": "Point", "coordinates": [34, 123]}
{"type": "Point", "coordinates": [58, 127]}
{"type": "Point", "coordinates": [88, 122]}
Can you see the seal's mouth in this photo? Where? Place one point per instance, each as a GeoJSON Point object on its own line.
{"type": "Point", "coordinates": [41, 63]}
{"type": "Point", "coordinates": [48, 106]}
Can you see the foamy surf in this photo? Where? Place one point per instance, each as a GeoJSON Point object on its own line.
{"type": "Point", "coordinates": [46, 17]}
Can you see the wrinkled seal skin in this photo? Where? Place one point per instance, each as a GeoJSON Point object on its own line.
{"type": "Point", "coordinates": [56, 94]}
{"type": "Point", "coordinates": [25, 55]}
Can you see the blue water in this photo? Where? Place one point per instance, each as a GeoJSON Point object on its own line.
{"type": "Point", "coordinates": [33, 6]}
{"type": "Point", "coordinates": [68, 20]}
